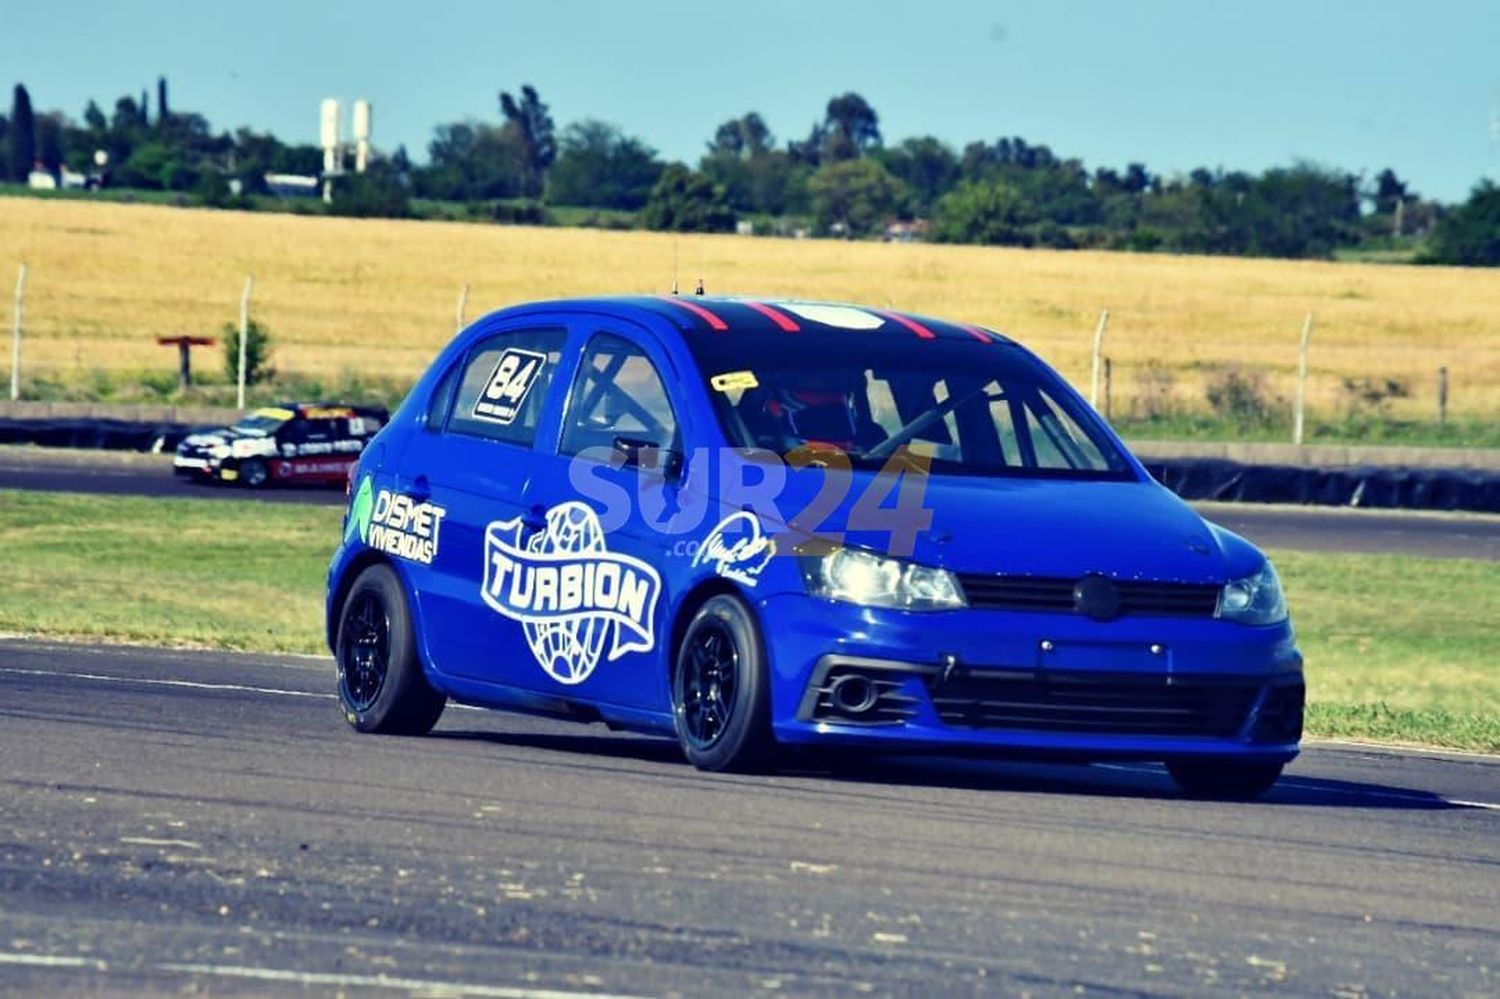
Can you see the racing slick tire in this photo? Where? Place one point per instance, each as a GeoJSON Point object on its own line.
{"type": "Point", "coordinates": [721, 697]}
{"type": "Point", "coordinates": [380, 683]}
{"type": "Point", "coordinates": [1224, 779]}
{"type": "Point", "coordinates": [254, 473]}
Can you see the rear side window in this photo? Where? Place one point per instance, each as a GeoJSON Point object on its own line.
{"type": "Point", "coordinates": [504, 382]}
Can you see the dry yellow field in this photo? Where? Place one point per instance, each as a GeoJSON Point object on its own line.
{"type": "Point", "coordinates": [377, 297]}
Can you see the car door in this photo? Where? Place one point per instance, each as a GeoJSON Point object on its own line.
{"type": "Point", "coordinates": [607, 495]}
{"type": "Point", "coordinates": [471, 462]}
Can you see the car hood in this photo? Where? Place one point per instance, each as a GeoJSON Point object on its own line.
{"type": "Point", "coordinates": [1043, 527]}
{"type": "Point", "coordinates": [206, 437]}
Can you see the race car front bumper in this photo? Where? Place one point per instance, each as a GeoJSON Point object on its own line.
{"type": "Point", "coordinates": [1044, 684]}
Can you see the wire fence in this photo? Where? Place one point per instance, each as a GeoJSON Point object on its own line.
{"type": "Point", "coordinates": [1134, 374]}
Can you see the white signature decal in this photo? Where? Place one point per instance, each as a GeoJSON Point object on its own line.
{"type": "Point", "coordinates": [572, 595]}
{"type": "Point", "coordinates": [737, 548]}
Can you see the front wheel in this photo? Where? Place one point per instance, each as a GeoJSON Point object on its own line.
{"type": "Point", "coordinates": [254, 473]}
{"type": "Point", "coordinates": [721, 703]}
{"type": "Point", "coordinates": [1224, 779]}
{"type": "Point", "coordinates": [380, 682]}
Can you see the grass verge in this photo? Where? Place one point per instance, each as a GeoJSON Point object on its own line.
{"type": "Point", "coordinates": [1399, 648]}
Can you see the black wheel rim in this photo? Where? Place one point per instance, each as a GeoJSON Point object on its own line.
{"type": "Point", "coordinates": [708, 683]}
{"type": "Point", "coordinates": [364, 650]}
{"type": "Point", "coordinates": [255, 474]}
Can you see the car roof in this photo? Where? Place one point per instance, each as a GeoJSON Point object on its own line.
{"type": "Point", "coordinates": [759, 315]}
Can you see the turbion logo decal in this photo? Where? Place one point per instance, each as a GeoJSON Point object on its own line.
{"type": "Point", "coordinates": [575, 599]}
{"type": "Point", "coordinates": [515, 372]}
{"type": "Point", "coordinates": [395, 523]}
{"type": "Point", "coordinates": [737, 548]}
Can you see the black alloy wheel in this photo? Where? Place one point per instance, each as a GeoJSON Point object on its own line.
{"type": "Point", "coordinates": [721, 705]}
{"type": "Point", "coordinates": [364, 650]}
{"type": "Point", "coordinates": [381, 686]}
{"type": "Point", "coordinates": [254, 473]}
{"type": "Point", "coordinates": [709, 679]}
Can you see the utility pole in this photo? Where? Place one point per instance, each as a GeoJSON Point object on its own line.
{"type": "Point", "coordinates": [15, 337]}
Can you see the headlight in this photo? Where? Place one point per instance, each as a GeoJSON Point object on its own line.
{"type": "Point", "coordinates": [861, 577]}
{"type": "Point", "coordinates": [220, 451]}
{"type": "Point", "coordinates": [1255, 599]}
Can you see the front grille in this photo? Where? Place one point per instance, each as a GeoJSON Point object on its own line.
{"type": "Point", "coordinates": [1090, 702]}
{"type": "Point", "coordinates": [890, 707]}
{"type": "Point", "coordinates": [1049, 593]}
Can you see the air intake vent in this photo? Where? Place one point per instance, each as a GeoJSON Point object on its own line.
{"type": "Point", "coordinates": [1090, 702]}
{"type": "Point", "coordinates": [1054, 594]}
{"type": "Point", "coordinates": [849, 695]}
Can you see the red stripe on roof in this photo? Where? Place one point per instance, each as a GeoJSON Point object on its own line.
{"type": "Point", "coordinates": [714, 322]}
{"type": "Point", "coordinates": [786, 322]}
{"type": "Point", "coordinates": [978, 334]}
{"type": "Point", "coordinates": [911, 324]}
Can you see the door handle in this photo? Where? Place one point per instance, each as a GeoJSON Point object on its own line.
{"type": "Point", "coordinates": [535, 519]}
{"type": "Point", "coordinates": [418, 488]}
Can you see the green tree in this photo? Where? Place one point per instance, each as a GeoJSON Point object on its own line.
{"type": "Point", "coordinates": [598, 164]}
{"type": "Point", "coordinates": [1469, 235]}
{"type": "Point", "coordinates": [163, 116]}
{"type": "Point", "coordinates": [851, 128]}
{"type": "Point", "coordinates": [375, 194]}
{"type": "Point", "coordinates": [926, 166]}
{"type": "Point", "coordinates": [21, 137]}
{"type": "Point", "coordinates": [985, 211]}
{"type": "Point", "coordinates": [528, 120]}
{"type": "Point", "coordinates": [854, 196]}
{"type": "Point", "coordinates": [685, 201]}
{"type": "Point", "coordinates": [257, 353]}
{"type": "Point", "coordinates": [472, 161]}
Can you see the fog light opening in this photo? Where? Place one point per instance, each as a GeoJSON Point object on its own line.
{"type": "Point", "coordinates": [853, 694]}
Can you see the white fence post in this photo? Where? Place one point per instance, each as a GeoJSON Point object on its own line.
{"type": "Point", "coordinates": [1098, 343]}
{"type": "Point", "coordinates": [15, 337]}
{"type": "Point", "coordinates": [1297, 413]}
{"type": "Point", "coordinates": [461, 307]}
{"type": "Point", "coordinates": [239, 399]}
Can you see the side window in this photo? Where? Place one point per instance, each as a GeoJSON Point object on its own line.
{"type": "Point", "coordinates": [442, 398]}
{"type": "Point", "coordinates": [1059, 442]}
{"type": "Point", "coordinates": [618, 393]}
{"type": "Point", "coordinates": [504, 382]}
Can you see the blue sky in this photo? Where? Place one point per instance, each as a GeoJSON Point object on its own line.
{"type": "Point", "coordinates": [1359, 85]}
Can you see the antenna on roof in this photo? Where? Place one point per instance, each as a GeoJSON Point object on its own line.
{"type": "Point", "coordinates": [699, 290]}
{"type": "Point", "coordinates": [675, 248]}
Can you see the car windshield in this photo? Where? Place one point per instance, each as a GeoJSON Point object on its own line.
{"type": "Point", "coordinates": [961, 407]}
{"type": "Point", "coordinates": [262, 422]}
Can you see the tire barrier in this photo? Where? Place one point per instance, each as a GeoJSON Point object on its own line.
{"type": "Point", "coordinates": [96, 434]}
{"type": "Point", "coordinates": [1369, 487]}
{"type": "Point", "coordinates": [1190, 478]}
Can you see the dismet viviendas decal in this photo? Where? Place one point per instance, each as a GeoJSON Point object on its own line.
{"type": "Point", "coordinates": [737, 548]}
{"type": "Point", "coordinates": [396, 524]}
{"type": "Point", "coordinates": [574, 597]}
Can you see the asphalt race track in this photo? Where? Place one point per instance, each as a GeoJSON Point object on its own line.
{"type": "Point", "coordinates": [1307, 528]}
{"type": "Point", "coordinates": [204, 823]}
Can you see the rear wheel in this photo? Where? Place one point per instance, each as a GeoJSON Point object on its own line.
{"type": "Point", "coordinates": [380, 682]}
{"type": "Point", "coordinates": [254, 473]}
{"type": "Point", "coordinates": [721, 703]}
{"type": "Point", "coordinates": [1230, 780]}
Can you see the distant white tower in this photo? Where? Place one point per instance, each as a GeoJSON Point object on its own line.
{"type": "Point", "coordinates": [362, 121]}
{"type": "Point", "coordinates": [329, 135]}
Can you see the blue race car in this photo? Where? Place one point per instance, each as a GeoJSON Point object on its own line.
{"type": "Point", "coordinates": [755, 525]}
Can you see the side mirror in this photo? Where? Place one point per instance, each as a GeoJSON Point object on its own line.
{"type": "Point", "coordinates": [632, 452]}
